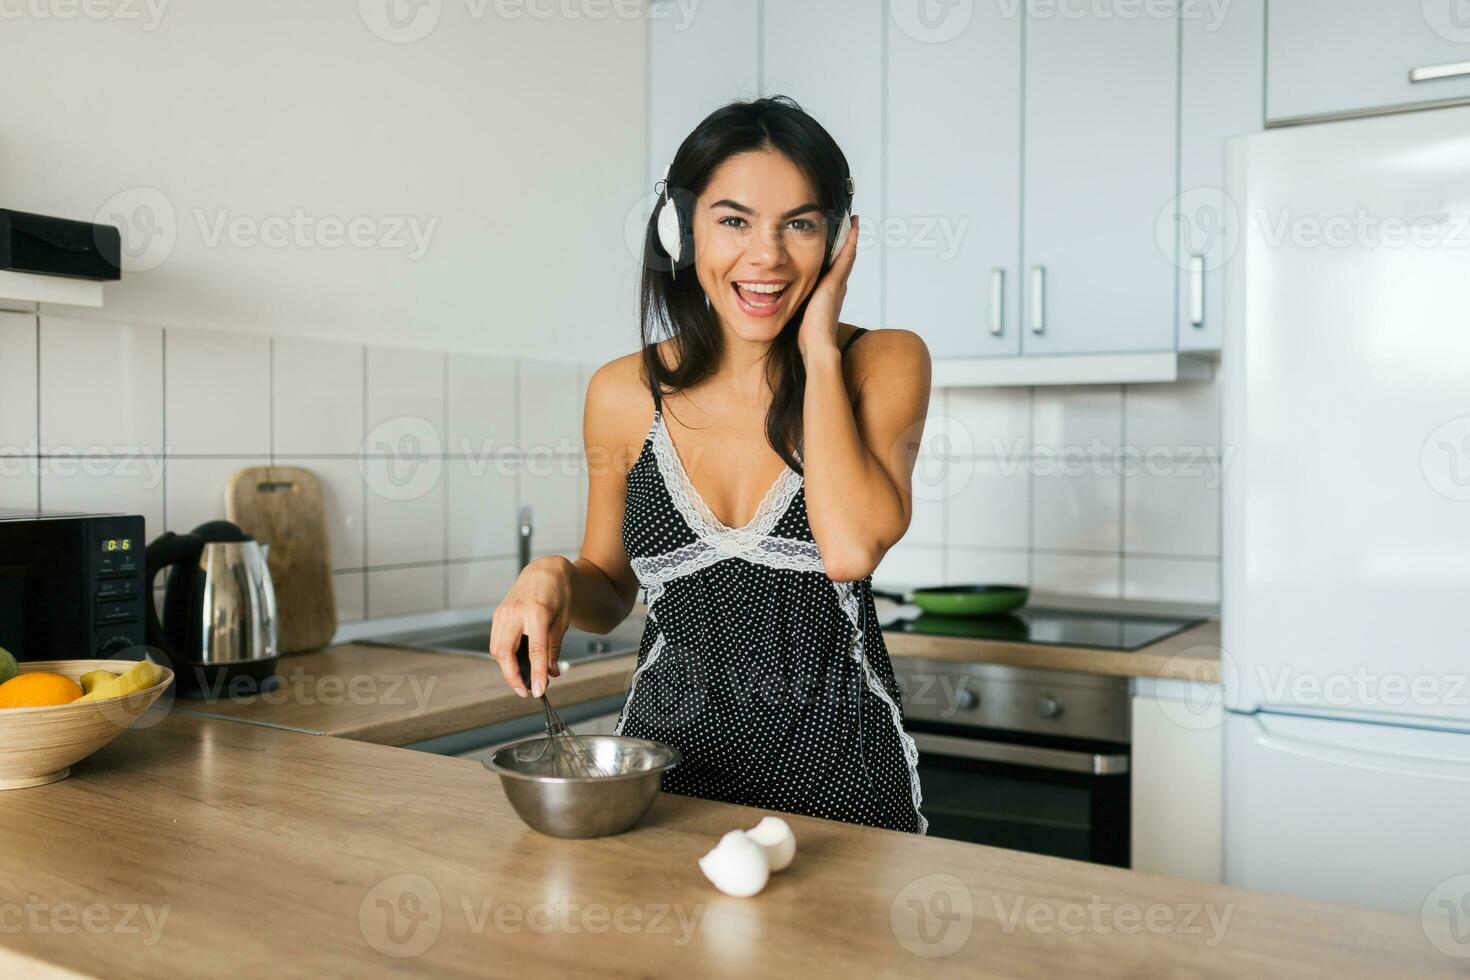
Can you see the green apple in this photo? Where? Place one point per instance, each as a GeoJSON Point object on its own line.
{"type": "Point", "coordinates": [8, 667]}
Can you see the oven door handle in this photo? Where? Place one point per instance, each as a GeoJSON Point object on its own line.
{"type": "Point", "coordinates": [1061, 760]}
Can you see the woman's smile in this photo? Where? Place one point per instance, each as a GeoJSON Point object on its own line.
{"type": "Point", "coordinates": [760, 297]}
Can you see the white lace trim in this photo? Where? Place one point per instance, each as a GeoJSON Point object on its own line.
{"type": "Point", "coordinates": [785, 553]}
{"type": "Point", "coordinates": [847, 598]}
{"type": "Point", "coordinates": [653, 652]}
{"type": "Point", "coordinates": [696, 512]}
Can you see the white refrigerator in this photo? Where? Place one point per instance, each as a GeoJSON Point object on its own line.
{"type": "Point", "coordinates": [1346, 594]}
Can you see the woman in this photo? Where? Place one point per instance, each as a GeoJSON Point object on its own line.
{"type": "Point", "coordinates": [749, 471]}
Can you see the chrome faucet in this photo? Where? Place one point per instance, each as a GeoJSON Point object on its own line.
{"type": "Point", "coordinates": [527, 524]}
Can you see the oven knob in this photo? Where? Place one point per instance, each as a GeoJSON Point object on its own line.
{"type": "Point", "coordinates": [966, 699]}
{"type": "Point", "coordinates": [1048, 706]}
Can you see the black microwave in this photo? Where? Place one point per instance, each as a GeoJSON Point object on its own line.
{"type": "Point", "coordinates": [72, 586]}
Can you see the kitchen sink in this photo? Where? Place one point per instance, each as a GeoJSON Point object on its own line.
{"type": "Point", "coordinates": [473, 640]}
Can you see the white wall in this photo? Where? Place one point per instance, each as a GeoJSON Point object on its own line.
{"type": "Point", "coordinates": [519, 141]}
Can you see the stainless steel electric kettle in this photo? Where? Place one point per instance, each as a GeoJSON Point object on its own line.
{"type": "Point", "coordinates": [219, 611]}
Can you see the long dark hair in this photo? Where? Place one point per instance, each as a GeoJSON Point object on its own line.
{"type": "Point", "coordinates": [674, 305]}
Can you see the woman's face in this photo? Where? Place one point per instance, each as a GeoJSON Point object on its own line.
{"type": "Point", "coordinates": [759, 240]}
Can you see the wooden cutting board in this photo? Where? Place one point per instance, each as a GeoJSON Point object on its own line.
{"type": "Point", "coordinates": [282, 506]}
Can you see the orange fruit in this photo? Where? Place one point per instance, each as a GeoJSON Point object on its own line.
{"type": "Point", "coordinates": [37, 689]}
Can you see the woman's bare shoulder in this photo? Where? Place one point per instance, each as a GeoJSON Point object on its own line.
{"type": "Point", "coordinates": [891, 353]}
{"type": "Point", "coordinates": [619, 405]}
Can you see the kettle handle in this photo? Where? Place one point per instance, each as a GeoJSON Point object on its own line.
{"type": "Point", "coordinates": [167, 549]}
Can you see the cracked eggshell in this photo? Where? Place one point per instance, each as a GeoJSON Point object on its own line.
{"type": "Point", "coordinates": [775, 838]}
{"type": "Point", "coordinates": [737, 866]}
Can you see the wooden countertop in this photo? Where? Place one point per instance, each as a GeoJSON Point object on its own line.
{"type": "Point", "coordinates": [396, 695]}
{"type": "Point", "coordinates": [1192, 654]}
{"type": "Point", "coordinates": [200, 847]}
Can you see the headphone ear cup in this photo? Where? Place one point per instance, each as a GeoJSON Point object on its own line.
{"type": "Point", "coordinates": [843, 228]}
{"type": "Point", "coordinates": [670, 235]}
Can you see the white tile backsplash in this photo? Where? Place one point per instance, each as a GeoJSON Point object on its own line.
{"type": "Point", "coordinates": [989, 503]}
{"type": "Point", "coordinates": [550, 413]}
{"type": "Point", "coordinates": [1174, 419]}
{"type": "Point", "coordinates": [350, 590]}
{"type": "Point", "coordinates": [551, 486]}
{"type": "Point", "coordinates": [194, 490]}
{"type": "Point", "coordinates": [907, 566]}
{"type": "Point", "coordinates": [1173, 510]}
{"type": "Point", "coordinates": [1077, 511]}
{"type": "Point", "coordinates": [1078, 419]}
{"type": "Point", "coordinates": [316, 397]}
{"type": "Point", "coordinates": [17, 384]}
{"type": "Point", "coordinates": [930, 485]}
{"type": "Point", "coordinates": [1171, 580]}
{"type": "Point", "coordinates": [967, 566]}
{"type": "Point", "coordinates": [482, 509]}
{"type": "Point", "coordinates": [405, 401]}
{"type": "Point", "coordinates": [482, 405]}
{"type": "Point", "coordinates": [989, 421]}
{"type": "Point", "coordinates": [20, 482]}
{"type": "Point", "coordinates": [131, 485]}
{"type": "Point", "coordinates": [344, 506]}
{"type": "Point", "coordinates": [101, 387]}
{"type": "Point", "coordinates": [480, 583]}
{"type": "Point", "coordinates": [217, 389]}
{"type": "Point", "coordinates": [1089, 575]}
{"type": "Point", "coordinates": [399, 591]}
{"type": "Point", "coordinates": [405, 511]}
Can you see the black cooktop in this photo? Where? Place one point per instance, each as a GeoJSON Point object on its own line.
{"type": "Point", "coordinates": [1058, 627]}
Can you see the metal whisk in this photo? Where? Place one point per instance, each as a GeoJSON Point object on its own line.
{"type": "Point", "coordinates": [569, 755]}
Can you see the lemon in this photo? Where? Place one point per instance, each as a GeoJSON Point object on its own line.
{"type": "Point", "coordinates": [94, 677]}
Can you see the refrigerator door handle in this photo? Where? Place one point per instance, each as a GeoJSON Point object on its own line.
{"type": "Point", "coordinates": [1422, 766]}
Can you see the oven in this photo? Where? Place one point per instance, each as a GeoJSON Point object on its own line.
{"type": "Point", "coordinates": [1034, 760]}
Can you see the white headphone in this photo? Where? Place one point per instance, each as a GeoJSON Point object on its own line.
{"type": "Point", "coordinates": [671, 228]}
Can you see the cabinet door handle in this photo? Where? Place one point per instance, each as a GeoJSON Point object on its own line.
{"type": "Point", "coordinates": [1196, 290]}
{"type": "Point", "coordinates": [1429, 73]}
{"type": "Point", "coordinates": [997, 301]}
{"type": "Point", "coordinates": [1038, 298]}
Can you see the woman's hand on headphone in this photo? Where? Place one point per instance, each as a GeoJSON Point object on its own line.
{"type": "Point", "coordinates": [819, 323]}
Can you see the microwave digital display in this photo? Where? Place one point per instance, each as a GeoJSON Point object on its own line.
{"type": "Point", "coordinates": [117, 544]}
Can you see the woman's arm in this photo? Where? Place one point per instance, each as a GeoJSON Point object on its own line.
{"type": "Point", "coordinates": [860, 445]}
{"type": "Point", "coordinates": [597, 591]}
{"type": "Point", "coordinates": [860, 436]}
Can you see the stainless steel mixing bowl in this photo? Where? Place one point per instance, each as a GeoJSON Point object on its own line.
{"type": "Point", "coordinates": [586, 806]}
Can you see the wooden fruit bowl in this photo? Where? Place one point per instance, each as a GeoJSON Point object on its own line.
{"type": "Point", "coordinates": [39, 745]}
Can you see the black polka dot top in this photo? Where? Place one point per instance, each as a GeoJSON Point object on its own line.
{"type": "Point", "coordinates": [771, 679]}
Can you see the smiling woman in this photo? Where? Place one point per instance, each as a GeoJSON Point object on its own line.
{"type": "Point", "coordinates": [754, 505]}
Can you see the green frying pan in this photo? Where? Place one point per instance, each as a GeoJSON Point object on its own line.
{"type": "Point", "coordinates": [964, 600]}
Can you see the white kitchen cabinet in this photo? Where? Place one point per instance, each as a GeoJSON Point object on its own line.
{"type": "Point", "coordinates": [1221, 94]}
{"type": "Point", "coordinates": [828, 56]}
{"type": "Point", "coordinates": [1327, 57]}
{"type": "Point", "coordinates": [698, 59]}
{"type": "Point", "coordinates": [954, 182]}
{"type": "Point", "coordinates": [1177, 780]}
{"type": "Point", "coordinates": [1101, 145]}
